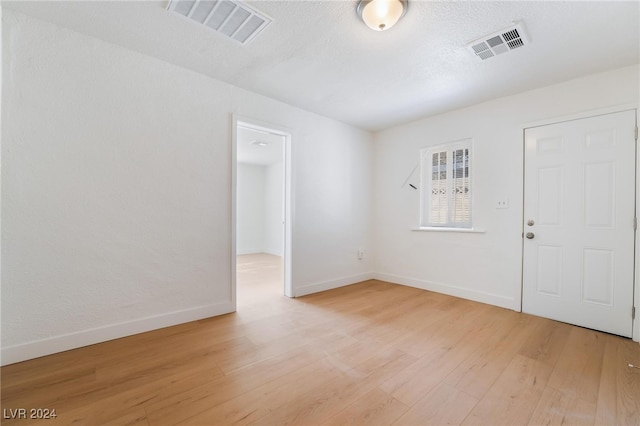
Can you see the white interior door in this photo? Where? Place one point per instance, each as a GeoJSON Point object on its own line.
{"type": "Point", "coordinates": [579, 210]}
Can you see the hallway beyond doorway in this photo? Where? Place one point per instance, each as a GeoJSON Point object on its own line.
{"type": "Point", "coordinates": [259, 279]}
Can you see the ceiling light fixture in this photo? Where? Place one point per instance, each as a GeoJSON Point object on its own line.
{"type": "Point", "coordinates": [380, 15]}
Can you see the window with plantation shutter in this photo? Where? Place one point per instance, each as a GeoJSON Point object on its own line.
{"type": "Point", "coordinates": [445, 182]}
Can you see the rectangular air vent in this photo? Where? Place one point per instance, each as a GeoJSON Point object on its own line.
{"type": "Point", "coordinates": [230, 18]}
{"type": "Point", "coordinates": [499, 42]}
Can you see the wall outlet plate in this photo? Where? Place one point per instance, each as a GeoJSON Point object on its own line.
{"type": "Point", "coordinates": [502, 203]}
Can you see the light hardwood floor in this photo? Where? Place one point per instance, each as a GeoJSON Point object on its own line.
{"type": "Point", "coordinates": [370, 353]}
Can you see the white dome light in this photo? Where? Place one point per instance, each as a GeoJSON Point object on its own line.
{"type": "Point", "coordinates": [380, 15]}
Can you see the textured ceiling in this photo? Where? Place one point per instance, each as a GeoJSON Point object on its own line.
{"type": "Point", "coordinates": [319, 56]}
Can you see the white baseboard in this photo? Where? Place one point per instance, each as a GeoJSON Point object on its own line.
{"type": "Point", "coordinates": [274, 252]}
{"type": "Point", "coordinates": [51, 345]}
{"type": "Point", "coordinates": [240, 252]}
{"type": "Point", "coordinates": [331, 284]}
{"type": "Point", "coordinates": [259, 251]}
{"type": "Point", "coordinates": [451, 290]}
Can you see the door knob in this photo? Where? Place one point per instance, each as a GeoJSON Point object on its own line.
{"type": "Point", "coordinates": [530, 235]}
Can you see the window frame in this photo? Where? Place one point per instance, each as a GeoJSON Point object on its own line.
{"type": "Point", "coordinates": [426, 208]}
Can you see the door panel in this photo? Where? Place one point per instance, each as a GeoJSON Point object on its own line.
{"type": "Point", "coordinates": [550, 196]}
{"type": "Point", "coordinates": [549, 279]}
{"type": "Point", "coordinates": [579, 208]}
{"type": "Point", "coordinates": [599, 190]}
{"type": "Point", "coordinates": [597, 276]}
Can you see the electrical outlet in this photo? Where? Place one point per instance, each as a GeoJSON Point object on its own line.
{"type": "Point", "coordinates": [502, 203]}
{"type": "Point", "coordinates": [360, 254]}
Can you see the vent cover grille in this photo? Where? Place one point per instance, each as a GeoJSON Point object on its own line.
{"type": "Point", "coordinates": [230, 18]}
{"type": "Point", "coordinates": [499, 42]}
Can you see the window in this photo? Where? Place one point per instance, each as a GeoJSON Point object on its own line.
{"type": "Point", "coordinates": [445, 182]}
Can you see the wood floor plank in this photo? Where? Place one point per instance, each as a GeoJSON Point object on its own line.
{"type": "Point", "coordinates": [442, 327]}
{"type": "Point", "coordinates": [547, 341]}
{"type": "Point", "coordinates": [478, 373]}
{"type": "Point", "coordinates": [451, 349]}
{"type": "Point", "coordinates": [628, 384]}
{"type": "Point", "coordinates": [106, 404]}
{"type": "Point", "coordinates": [158, 359]}
{"type": "Point", "coordinates": [606, 407]}
{"type": "Point", "coordinates": [315, 407]}
{"type": "Point", "coordinates": [578, 369]}
{"type": "Point", "coordinates": [135, 418]}
{"type": "Point", "coordinates": [260, 401]}
{"type": "Point", "coordinates": [369, 353]}
{"type": "Point", "coordinates": [559, 408]}
{"type": "Point", "coordinates": [187, 403]}
{"type": "Point", "coordinates": [374, 408]}
{"type": "Point", "coordinates": [514, 396]}
{"type": "Point", "coordinates": [49, 389]}
{"type": "Point", "coordinates": [445, 405]}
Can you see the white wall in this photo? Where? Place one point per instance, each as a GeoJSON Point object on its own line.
{"type": "Point", "coordinates": [274, 209]}
{"type": "Point", "coordinates": [491, 271]}
{"type": "Point", "coordinates": [1, 115]}
{"type": "Point", "coordinates": [251, 209]}
{"type": "Point", "coordinates": [116, 188]}
{"type": "Point", "coordinates": [260, 204]}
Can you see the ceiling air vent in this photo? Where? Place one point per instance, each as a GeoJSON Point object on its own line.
{"type": "Point", "coordinates": [231, 18]}
{"type": "Point", "coordinates": [499, 42]}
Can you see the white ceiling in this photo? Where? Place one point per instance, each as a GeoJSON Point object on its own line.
{"type": "Point", "coordinates": [250, 153]}
{"type": "Point", "coordinates": [319, 56]}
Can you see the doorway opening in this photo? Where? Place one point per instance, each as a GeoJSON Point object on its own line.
{"type": "Point", "coordinates": [261, 188]}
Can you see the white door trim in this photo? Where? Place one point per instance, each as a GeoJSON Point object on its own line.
{"type": "Point", "coordinates": [287, 134]}
{"type": "Point", "coordinates": [578, 116]}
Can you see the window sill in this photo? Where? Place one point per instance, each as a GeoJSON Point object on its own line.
{"type": "Point", "coordinates": [444, 229]}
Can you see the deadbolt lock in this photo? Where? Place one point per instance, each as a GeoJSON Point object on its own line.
{"type": "Point", "coordinates": [530, 222]}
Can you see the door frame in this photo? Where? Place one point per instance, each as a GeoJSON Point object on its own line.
{"type": "Point", "coordinates": [238, 120]}
{"type": "Point", "coordinates": [579, 116]}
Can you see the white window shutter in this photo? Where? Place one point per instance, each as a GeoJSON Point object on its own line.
{"type": "Point", "coordinates": [446, 193]}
